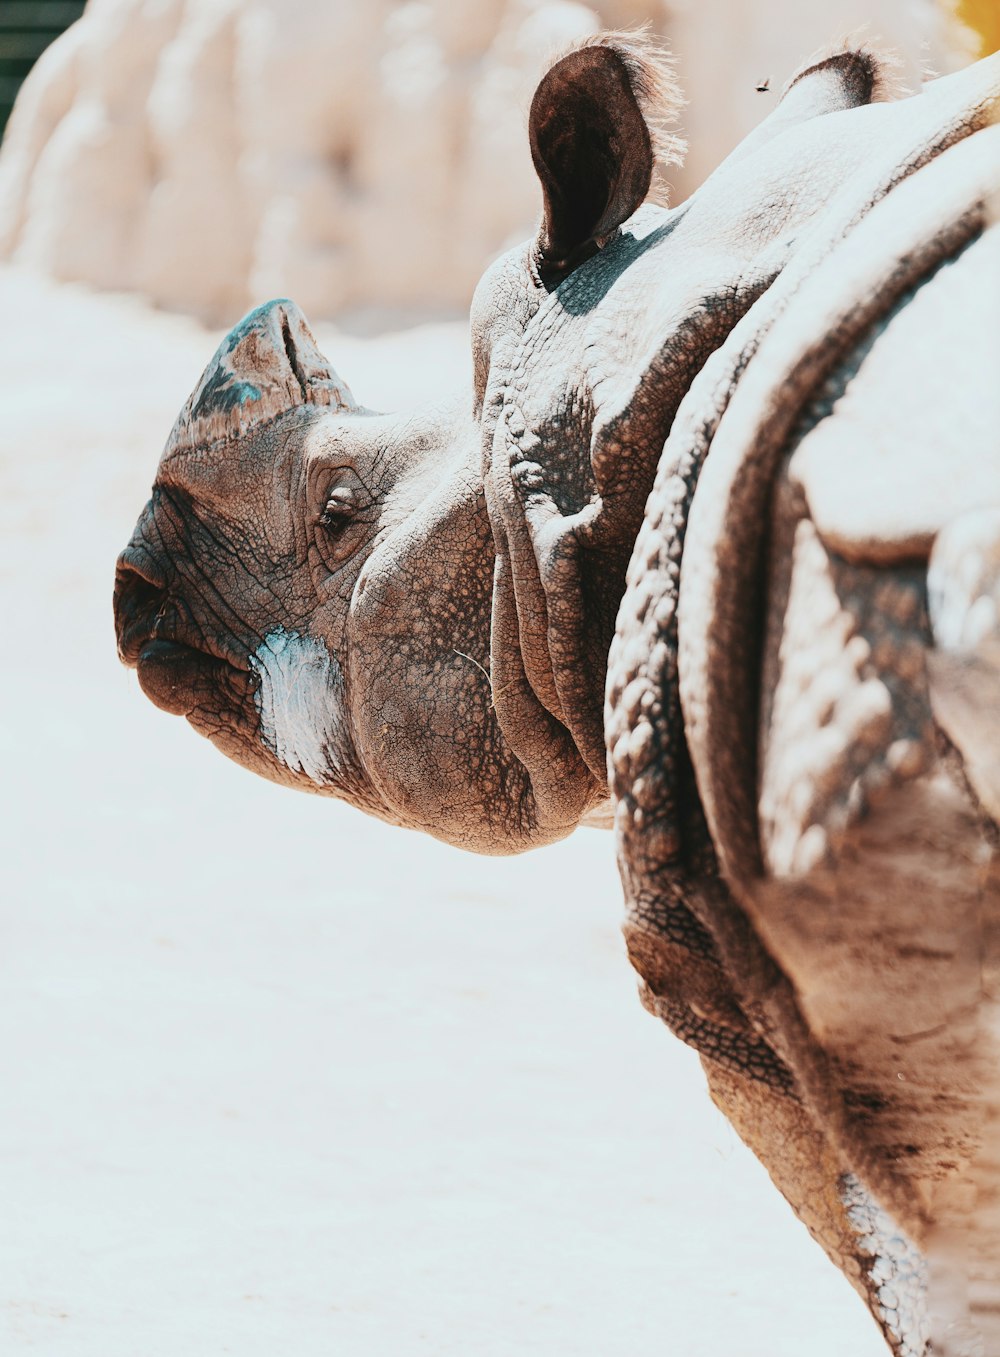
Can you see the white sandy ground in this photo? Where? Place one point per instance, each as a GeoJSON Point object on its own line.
{"type": "Point", "coordinates": [277, 1079]}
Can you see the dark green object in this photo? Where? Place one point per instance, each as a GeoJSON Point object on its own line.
{"type": "Point", "coordinates": [26, 29]}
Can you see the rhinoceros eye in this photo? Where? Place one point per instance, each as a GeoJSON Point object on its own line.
{"type": "Point", "coordinates": [340, 508]}
{"type": "Point", "coordinates": [344, 512]}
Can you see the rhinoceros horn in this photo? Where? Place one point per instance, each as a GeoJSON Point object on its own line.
{"type": "Point", "coordinates": [265, 366]}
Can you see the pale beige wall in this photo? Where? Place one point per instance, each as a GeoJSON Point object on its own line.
{"type": "Point", "coordinates": [726, 48]}
{"type": "Point", "coordinates": [351, 153]}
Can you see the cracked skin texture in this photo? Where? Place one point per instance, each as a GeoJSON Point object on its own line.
{"type": "Point", "coordinates": [470, 576]}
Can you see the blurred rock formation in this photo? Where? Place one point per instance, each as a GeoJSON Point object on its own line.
{"type": "Point", "coordinates": [351, 153]}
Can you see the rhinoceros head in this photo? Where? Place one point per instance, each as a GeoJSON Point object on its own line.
{"type": "Point", "coordinates": [278, 590]}
{"type": "Point", "coordinates": [414, 613]}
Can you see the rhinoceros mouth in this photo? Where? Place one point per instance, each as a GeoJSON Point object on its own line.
{"type": "Point", "coordinates": [178, 672]}
{"type": "Point", "coordinates": [178, 678]}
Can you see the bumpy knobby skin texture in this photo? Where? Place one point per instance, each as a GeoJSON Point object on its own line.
{"type": "Point", "coordinates": [868, 870]}
{"type": "Point", "coordinates": [418, 613]}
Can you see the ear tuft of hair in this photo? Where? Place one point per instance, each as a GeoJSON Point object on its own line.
{"type": "Point", "coordinates": [873, 68]}
{"type": "Point", "coordinates": [652, 74]}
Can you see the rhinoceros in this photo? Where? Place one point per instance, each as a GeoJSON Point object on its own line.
{"type": "Point", "coordinates": [711, 551]}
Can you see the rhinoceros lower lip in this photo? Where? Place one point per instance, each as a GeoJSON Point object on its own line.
{"type": "Point", "coordinates": [175, 677]}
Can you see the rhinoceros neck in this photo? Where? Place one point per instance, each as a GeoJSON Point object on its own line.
{"type": "Point", "coordinates": [587, 403]}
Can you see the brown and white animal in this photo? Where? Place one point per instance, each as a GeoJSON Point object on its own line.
{"type": "Point", "coordinates": [716, 535]}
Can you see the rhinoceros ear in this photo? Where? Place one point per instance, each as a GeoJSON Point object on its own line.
{"type": "Point", "coordinates": [596, 132]}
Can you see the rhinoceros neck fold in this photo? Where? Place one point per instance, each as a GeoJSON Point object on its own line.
{"type": "Point", "coordinates": [568, 474]}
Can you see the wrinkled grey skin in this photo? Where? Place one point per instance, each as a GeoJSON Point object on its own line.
{"type": "Point", "coordinates": [415, 613]}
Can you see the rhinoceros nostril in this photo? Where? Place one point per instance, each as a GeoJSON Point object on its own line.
{"type": "Point", "coordinates": [138, 603]}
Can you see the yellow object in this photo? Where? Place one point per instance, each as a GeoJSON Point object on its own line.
{"type": "Point", "coordinates": [982, 18]}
